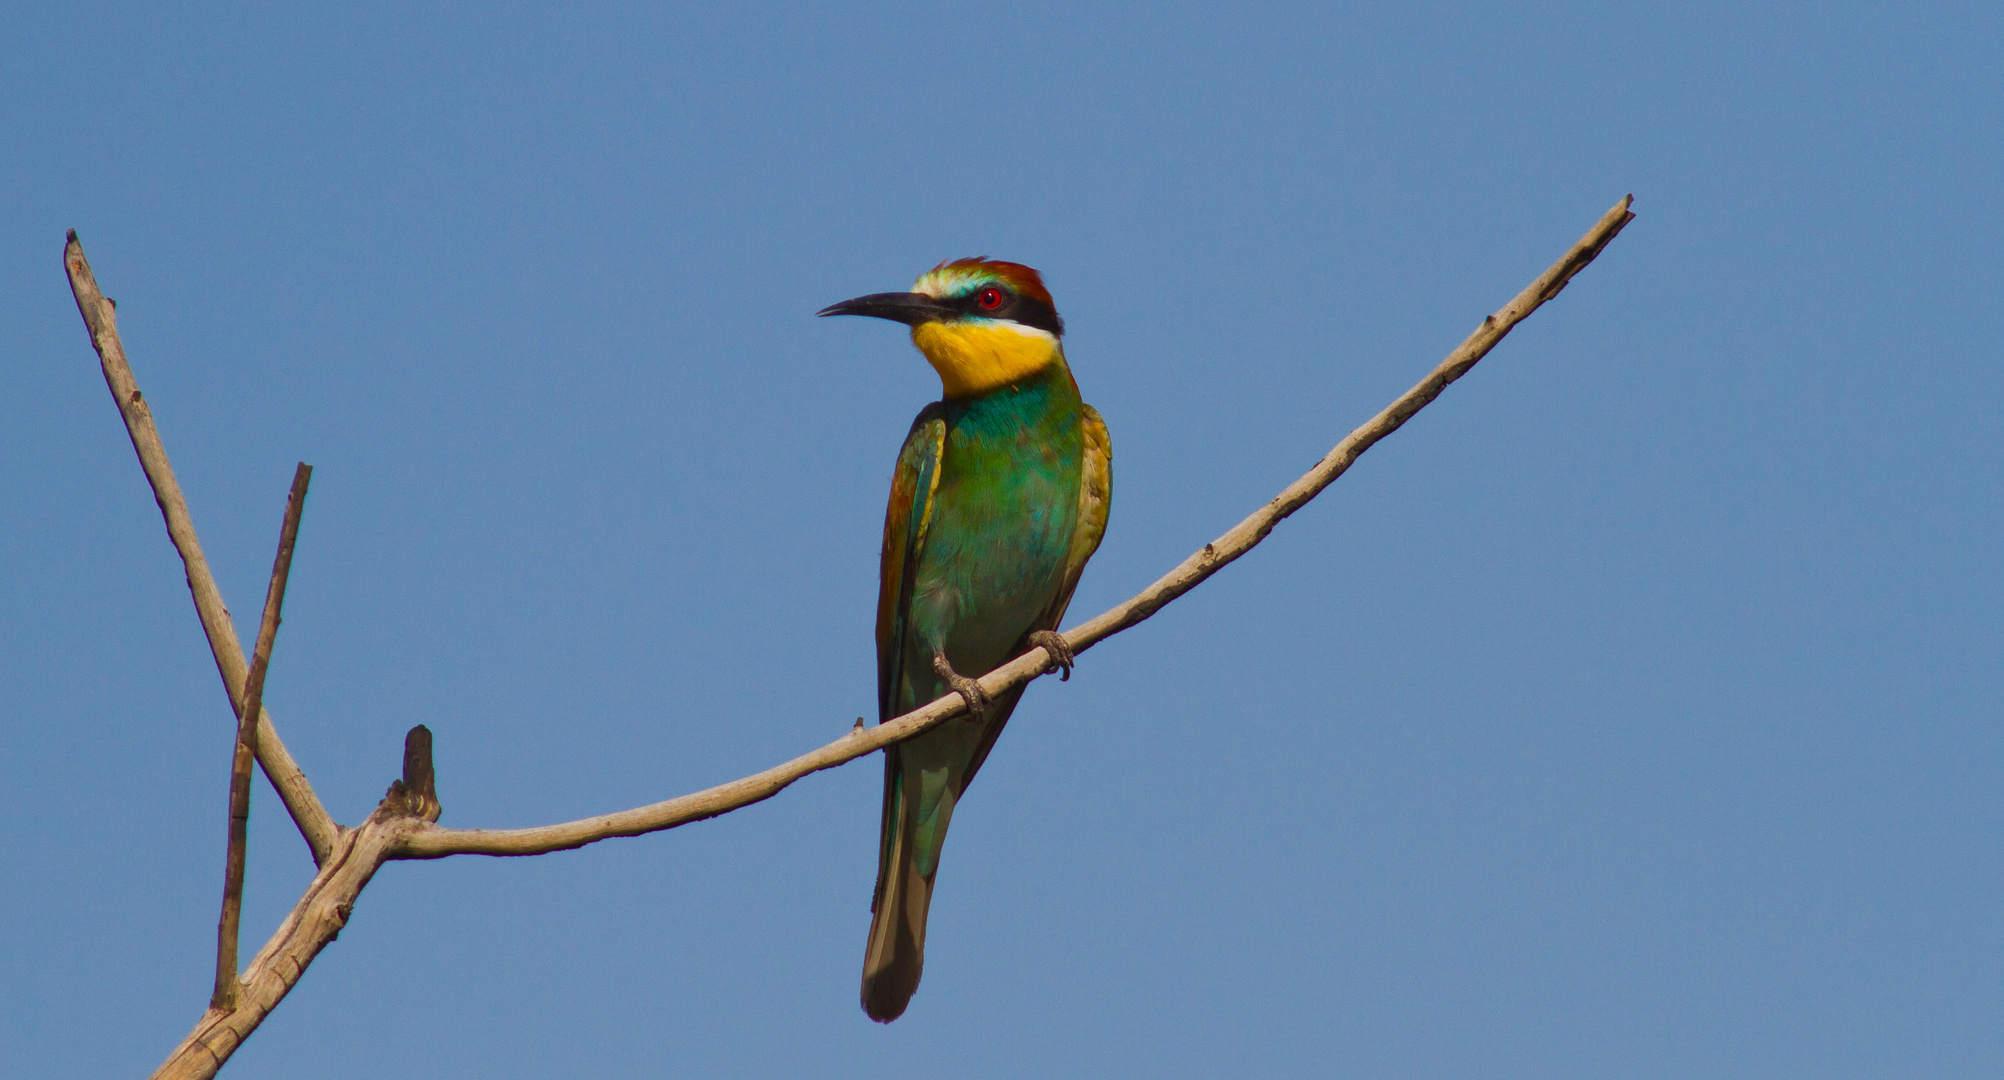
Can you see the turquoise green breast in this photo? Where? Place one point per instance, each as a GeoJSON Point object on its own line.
{"type": "Point", "coordinates": [1002, 520]}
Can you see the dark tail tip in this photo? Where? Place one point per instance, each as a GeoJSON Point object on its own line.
{"type": "Point", "coordinates": [890, 981]}
{"type": "Point", "coordinates": [886, 996]}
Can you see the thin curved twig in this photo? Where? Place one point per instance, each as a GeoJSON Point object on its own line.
{"type": "Point", "coordinates": [436, 843]}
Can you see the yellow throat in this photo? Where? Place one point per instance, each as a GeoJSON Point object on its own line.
{"type": "Point", "coordinates": [974, 358]}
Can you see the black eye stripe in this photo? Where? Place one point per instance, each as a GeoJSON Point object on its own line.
{"type": "Point", "coordinates": [1014, 306]}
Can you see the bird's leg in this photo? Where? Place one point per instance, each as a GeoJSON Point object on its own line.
{"type": "Point", "coordinates": [968, 689]}
{"type": "Point", "coordinates": [1061, 652]}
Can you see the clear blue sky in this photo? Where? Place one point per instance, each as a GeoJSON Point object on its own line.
{"type": "Point", "coordinates": [1633, 712]}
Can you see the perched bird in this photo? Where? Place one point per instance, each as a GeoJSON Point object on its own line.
{"type": "Point", "coordinates": [999, 498]}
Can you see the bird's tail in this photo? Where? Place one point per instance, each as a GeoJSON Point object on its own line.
{"type": "Point", "coordinates": [895, 956]}
{"type": "Point", "coordinates": [918, 806]}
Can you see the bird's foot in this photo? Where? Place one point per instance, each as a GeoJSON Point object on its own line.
{"type": "Point", "coordinates": [969, 690]}
{"type": "Point", "coordinates": [1061, 652]}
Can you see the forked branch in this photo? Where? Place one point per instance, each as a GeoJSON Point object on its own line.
{"type": "Point", "coordinates": [401, 826]}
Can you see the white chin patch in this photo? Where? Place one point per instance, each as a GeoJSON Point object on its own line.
{"type": "Point", "coordinates": [1028, 331]}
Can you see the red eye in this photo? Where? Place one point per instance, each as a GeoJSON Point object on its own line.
{"type": "Point", "coordinates": [990, 298]}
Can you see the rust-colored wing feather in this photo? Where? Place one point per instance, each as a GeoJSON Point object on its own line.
{"type": "Point", "coordinates": [905, 521]}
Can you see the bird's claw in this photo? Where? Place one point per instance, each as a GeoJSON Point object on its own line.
{"type": "Point", "coordinates": [969, 690]}
{"type": "Point", "coordinates": [1059, 650]}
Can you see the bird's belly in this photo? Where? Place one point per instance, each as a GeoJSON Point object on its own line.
{"type": "Point", "coordinates": [992, 565]}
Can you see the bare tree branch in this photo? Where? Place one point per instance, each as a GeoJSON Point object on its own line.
{"type": "Point", "coordinates": [400, 829]}
{"type": "Point", "coordinates": [315, 921]}
{"type": "Point", "coordinates": [101, 318]}
{"type": "Point", "coordinates": [225, 995]}
{"type": "Point", "coordinates": [434, 843]}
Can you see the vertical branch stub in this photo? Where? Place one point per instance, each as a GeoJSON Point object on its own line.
{"type": "Point", "coordinates": [416, 795]}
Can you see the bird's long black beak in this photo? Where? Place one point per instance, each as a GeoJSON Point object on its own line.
{"type": "Point", "coordinates": [905, 307]}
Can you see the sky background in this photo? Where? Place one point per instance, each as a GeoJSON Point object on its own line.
{"type": "Point", "coordinates": [1634, 711]}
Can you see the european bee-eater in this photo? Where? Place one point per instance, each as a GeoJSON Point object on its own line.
{"type": "Point", "coordinates": [999, 498]}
